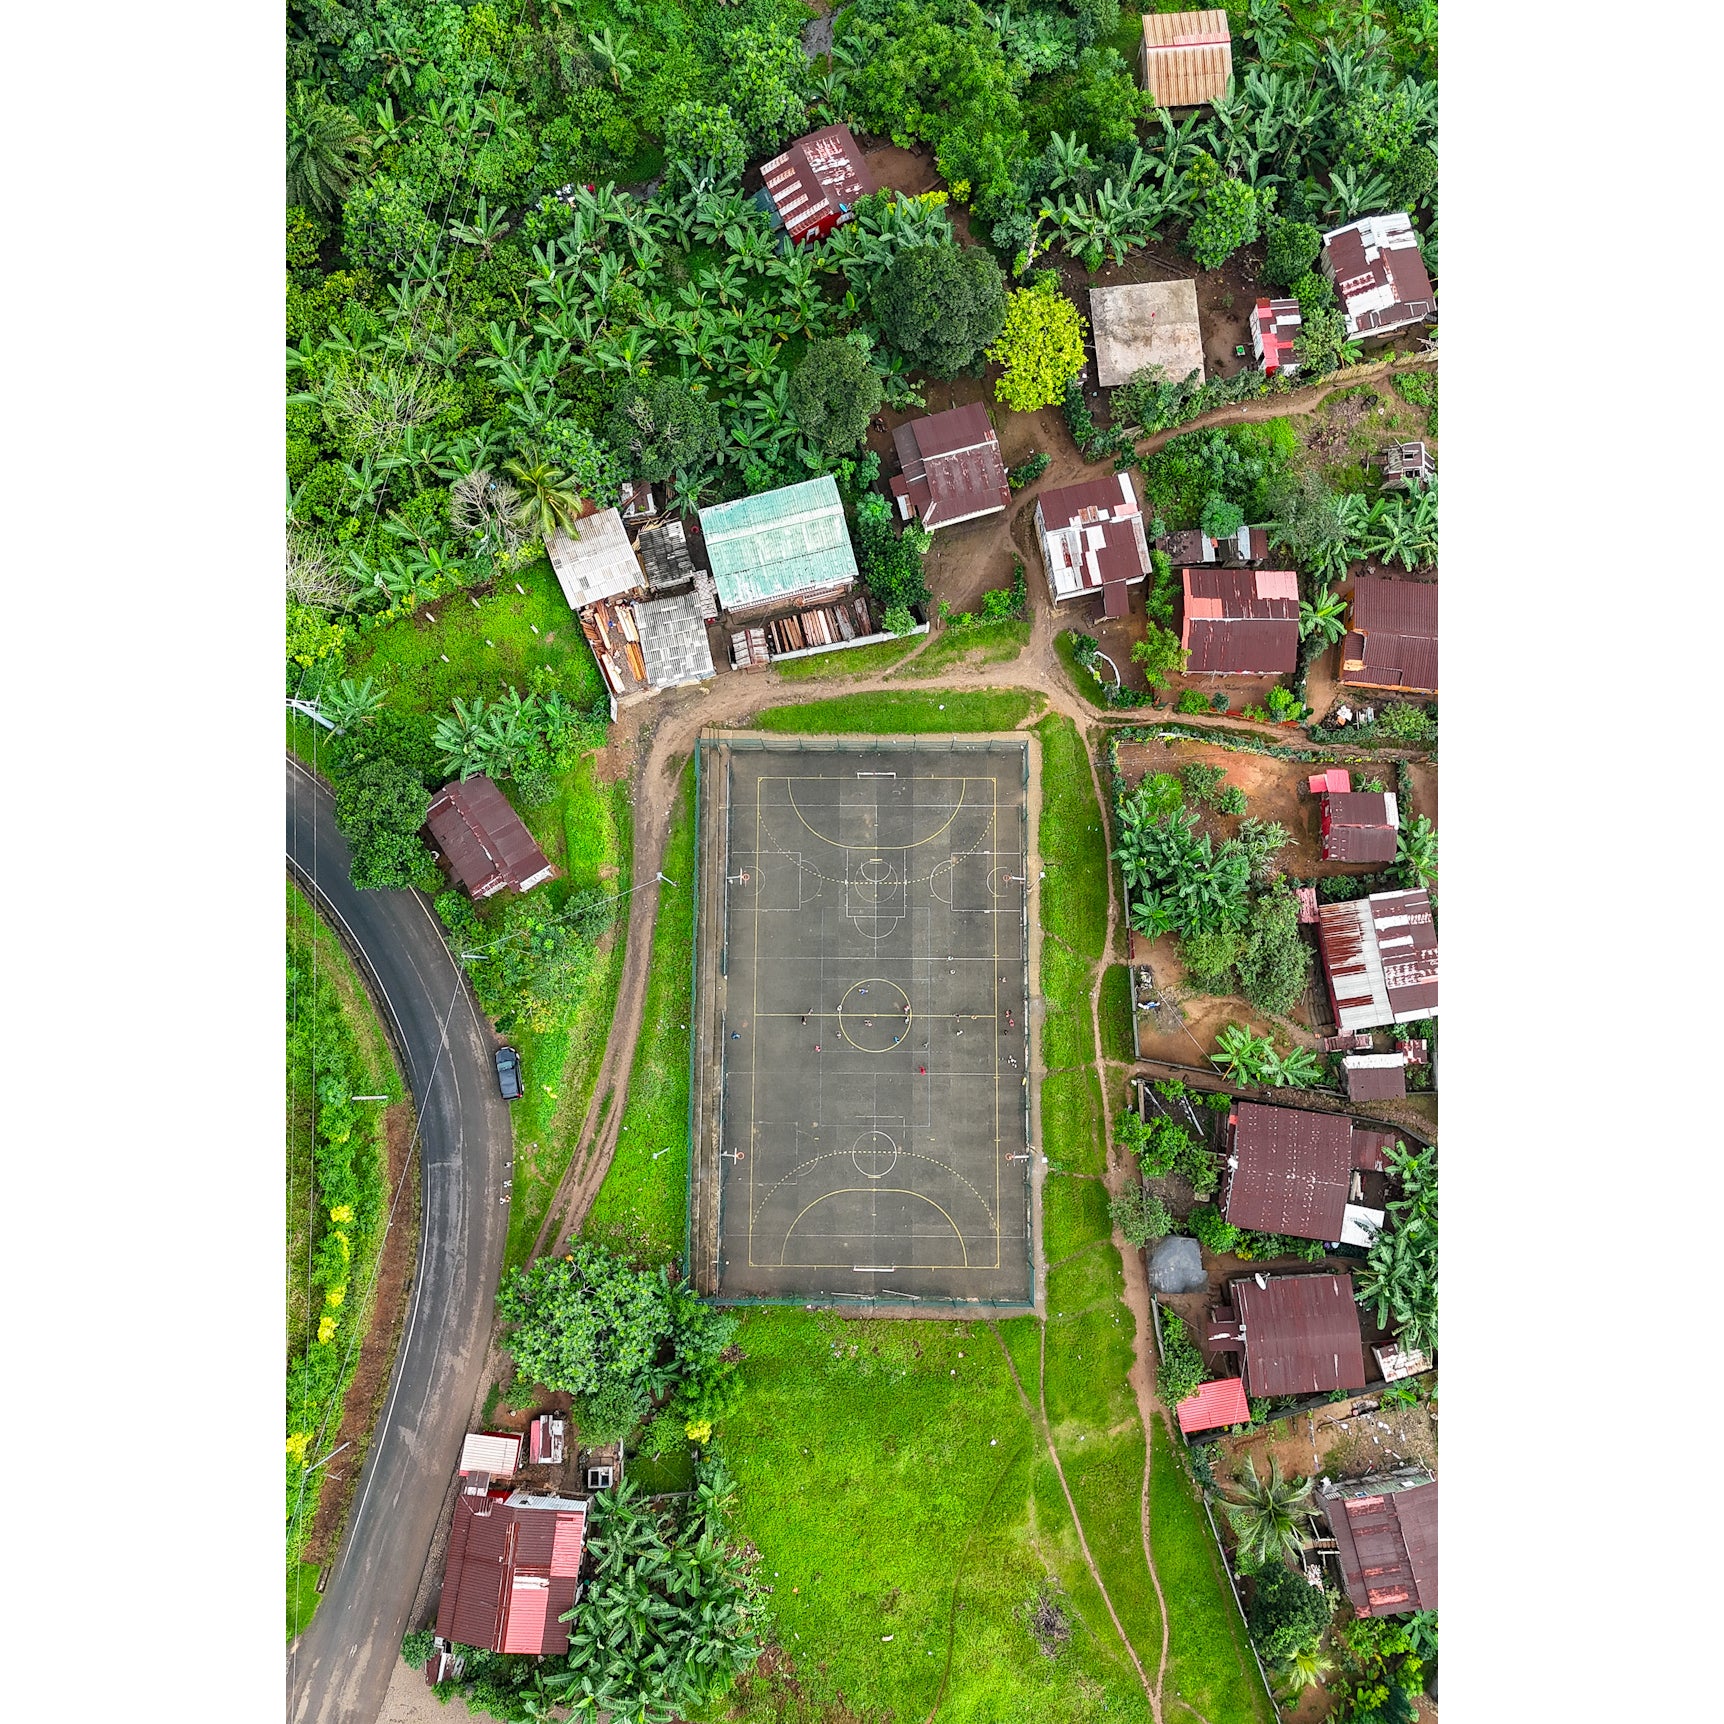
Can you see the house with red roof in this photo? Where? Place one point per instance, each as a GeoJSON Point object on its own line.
{"type": "Point", "coordinates": [1275, 326]}
{"type": "Point", "coordinates": [1093, 541]}
{"type": "Point", "coordinates": [1391, 639]}
{"type": "Point", "coordinates": [1378, 274]}
{"type": "Point", "coordinates": [812, 187]}
{"type": "Point", "coordinates": [1240, 622]}
{"type": "Point", "coordinates": [512, 1572]}
{"type": "Point", "coordinates": [1359, 825]}
{"type": "Point", "coordinates": [950, 468]}
{"type": "Point", "coordinates": [1213, 1406]}
{"type": "Point", "coordinates": [482, 841]}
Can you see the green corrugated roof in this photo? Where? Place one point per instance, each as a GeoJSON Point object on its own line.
{"type": "Point", "coordinates": [778, 543]}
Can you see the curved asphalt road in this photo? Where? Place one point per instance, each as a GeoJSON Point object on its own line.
{"type": "Point", "coordinates": [339, 1668]}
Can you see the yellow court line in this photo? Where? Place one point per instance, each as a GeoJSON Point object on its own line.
{"type": "Point", "coordinates": [839, 844]}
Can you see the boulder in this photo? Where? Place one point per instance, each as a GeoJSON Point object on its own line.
{"type": "Point", "coordinates": [1176, 1266]}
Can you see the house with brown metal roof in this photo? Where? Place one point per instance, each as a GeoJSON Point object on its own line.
{"type": "Point", "coordinates": [951, 469]}
{"type": "Point", "coordinates": [812, 187]}
{"type": "Point", "coordinates": [1187, 57]}
{"type": "Point", "coordinates": [1240, 622]}
{"type": "Point", "coordinates": [513, 1570]}
{"type": "Point", "coordinates": [1378, 275]}
{"type": "Point", "coordinates": [1385, 1529]}
{"type": "Point", "coordinates": [1298, 1334]}
{"type": "Point", "coordinates": [1379, 958]}
{"type": "Point", "coordinates": [1093, 541]}
{"type": "Point", "coordinates": [482, 841]}
{"type": "Point", "coordinates": [1391, 639]}
{"type": "Point", "coordinates": [1304, 1174]}
{"type": "Point", "coordinates": [1359, 825]}
{"type": "Point", "coordinates": [1375, 1077]}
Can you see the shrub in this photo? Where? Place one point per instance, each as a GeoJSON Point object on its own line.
{"type": "Point", "coordinates": [1221, 519]}
{"type": "Point", "coordinates": [1263, 840]}
{"type": "Point", "coordinates": [1209, 960]}
{"type": "Point", "coordinates": [1194, 700]}
{"type": "Point", "coordinates": [610, 1413]}
{"type": "Point", "coordinates": [416, 1647]}
{"type": "Point", "coordinates": [1229, 213]}
{"type": "Point", "coordinates": [1027, 472]}
{"type": "Point", "coordinates": [1181, 1373]}
{"type": "Point", "coordinates": [1292, 250]}
{"type": "Point", "coordinates": [1202, 783]}
{"type": "Point", "coordinates": [1231, 800]}
{"type": "Point", "coordinates": [1218, 702]}
{"type": "Point", "coordinates": [1404, 723]}
{"type": "Point", "coordinates": [1140, 1216]}
{"type": "Point", "coordinates": [1275, 962]}
{"type": "Point", "coordinates": [1161, 1148]}
{"type": "Point", "coordinates": [1206, 1226]}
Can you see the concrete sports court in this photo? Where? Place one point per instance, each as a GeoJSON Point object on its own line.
{"type": "Point", "coordinates": [861, 1057]}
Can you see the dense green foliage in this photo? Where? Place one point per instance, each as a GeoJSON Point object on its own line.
{"type": "Point", "coordinates": [941, 306]}
{"type": "Point", "coordinates": [833, 393]}
{"type": "Point", "coordinates": [1287, 1614]}
{"type": "Point", "coordinates": [1240, 466]}
{"type": "Point", "coordinates": [1270, 1515]}
{"type": "Point", "coordinates": [1140, 1216]}
{"type": "Point", "coordinates": [1400, 1275]}
{"type": "Point", "coordinates": [590, 1322]}
{"type": "Point", "coordinates": [891, 560]}
{"type": "Point", "coordinates": [1181, 1373]}
{"type": "Point", "coordinates": [1274, 961]}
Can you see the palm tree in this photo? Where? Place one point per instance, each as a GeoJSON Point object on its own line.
{"type": "Point", "coordinates": [1326, 617]}
{"type": "Point", "coordinates": [1303, 1669]}
{"type": "Point", "coordinates": [1416, 854]}
{"type": "Point", "coordinates": [1269, 1516]}
{"type": "Point", "coordinates": [325, 150]}
{"type": "Point", "coordinates": [549, 503]}
{"type": "Point", "coordinates": [615, 57]}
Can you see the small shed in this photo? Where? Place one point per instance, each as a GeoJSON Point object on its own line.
{"type": "Point", "coordinates": [1375, 1077]}
{"type": "Point", "coordinates": [495, 1452]}
{"type": "Point", "coordinates": [1275, 326]}
{"type": "Point", "coordinates": [482, 840]}
{"type": "Point", "coordinates": [1187, 57]}
{"type": "Point", "coordinates": [1216, 1404]}
{"type": "Point", "coordinates": [1149, 325]}
{"type": "Point", "coordinates": [812, 187]}
{"type": "Point", "coordinates": [1403, 463]}
{"type": "Point", "coordinates": [596, 561]}
{"type": "Point", "coordinates": [1333, 781]}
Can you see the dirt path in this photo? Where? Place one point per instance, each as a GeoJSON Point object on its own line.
{"type": "Point", "coordinates": [1038, 1412]}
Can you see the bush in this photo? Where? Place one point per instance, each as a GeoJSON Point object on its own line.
{"type": "Point", "coordinates": [1292, 250]}
{"type": "Point", "coordinates": [1221, 519]}
{"type": "Point", "coordinates": [1209, 960]}
{"type": "Point", "coordinates": [1140, 1216]}
{"type": "Point", "coordinates": [1161, 1147]}
{"type": "Point", "coordinates": [1027, 472]}
{"type": "Point", "coordinates": [1228, 215]}
{"type": "Point", "coordinates": [610, 1413]}
{"type": "Point", "coordinates": [1194, 700]}
{"type": "Point", "coordinates": [1231, 800]}
{"type": "Point", "coordinates": [1040, 347]}
{"type": "Point", "coordinates": [1181, 1373]}
{"type": "Point", "coordinates": [1287, 1613]}
{"type": "Point", "coordinates": [1218, 702]}
{"type": "Point", "coordinates": [1275, 962]}
{"type": "Point", "coordinates": [1202, 783]}
{"type": "Point", "coordinates": [1206, 1226]}
{"type": "Point", "coordinates": [941, 306]}
{"type": "Point", "coordinates": [891, 561]}
{"type": "Point", "coordinates": [380, 808]}
{"type": "Point", "coordinates": [416, 1647]}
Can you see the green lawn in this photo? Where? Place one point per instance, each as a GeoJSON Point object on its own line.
{"type": "Point", "coordinates": [983, 643]}
{"type": "Point", "coordinates": [1074, 1214]}
{"type": "Point", "coordinates": [899, 1495]}
{"type": "Point", "coordinates": [1072, 840]}
{"type": "Point", "coordinates": [848, 661]}
{"type": "Point", "coordinates": [1071, 1122]}
{"type": "Point", "coordinates": [901, 713]}
{"type": "Point", "coordinates": [1085, 685]}
{"type": "Point", "coordinates": [489, 643]}
{"type": "Point", "coordinates": [1068, 1035]}
{"type": "Point", "coordinates": [1116, 1014]}
{"type": "Point", "coordinates": [642, 1206]}
{"type": "Point", "coordinates": [1209, 1654]}
{"type": "Point", "coordinates": [302, 1597]}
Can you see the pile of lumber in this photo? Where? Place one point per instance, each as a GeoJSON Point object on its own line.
{"type": "Point", "coordinates": [823, 626]}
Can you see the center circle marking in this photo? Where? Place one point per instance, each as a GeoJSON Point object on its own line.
{"type": "Point", "coordinates": [875, 1154]}
{"type": "Point", "coordinates": [877, 1021]}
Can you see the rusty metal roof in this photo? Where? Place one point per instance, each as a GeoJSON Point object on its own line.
{"type": "Point", "coordinates": [1380, 957]}
{"type": "Point", "coordinates": [1302, 1334]}
{"type": "Point", "coordinates": [511, 1572]}
{"type": "Point", "coordinates": [483, 840]}
{"type": "Point", "coordinates": [1243, 621]}
{"type": "Point", "coordinates": [1360, 826]}
{"type": "Point", "coordinates": [1092, 534]}
{"type": "Point", "coordinates": [951, 467]}
{"type": "Point", "coordinates": [1393, 638]}
{"type": "Point", "coordinates": [1187, 57]}
{"type": "Point", "coordinates": [1375, 1077]}
{"type": "Point", "coordinates": [1387, 1543]}
{"type": "Point", "coordinates": [1292, 1171]}
{"type": "Point", "coordinates": [1219, 1403]}
{"type": "Point", "coordinates": [1378, 273]}
{"type": "Point", "coordinates": [814, 176]}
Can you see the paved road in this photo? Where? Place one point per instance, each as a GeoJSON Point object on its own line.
{"type": "Point", "coordinates": [339, 1668]}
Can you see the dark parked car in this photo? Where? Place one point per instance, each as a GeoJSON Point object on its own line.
{"type": "Point", "coordinates": [509, 1073]}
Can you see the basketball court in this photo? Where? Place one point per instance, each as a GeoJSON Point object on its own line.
{"type": "Point", "coordinates": [862, 1046]}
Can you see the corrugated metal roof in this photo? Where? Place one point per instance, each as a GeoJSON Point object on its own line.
{"type": "Point", "coordinates": [1387, 1545]}
{"type": "Point", "coordinates": [781, 542]}
{"type": "Point", "coordinates": [597, 562]}
{"type": "Point", "coordinates": [489, 1452]}
{"type": "Point", "coordinates": [483, 840]}
{"type": "Point", "coordinates": [1380, 956]}
{"type": "Point", "coordinates": [1240, 621]}
{"type": "Point", "coordinates": [1222, 1402]}
{"type": "Point", "coordinates": [1360, 826]}
{"type": "Point", "coordinates": [1292, 1171]}
{"type": "Point", "coordinates": [1302, 1334]}
{"type": "Point", "coordinates": [511, 1573]}
{"type": "Point", "coordinates": [1187, 57]}
{"type": "Point", "coordinates": [1144, 324]}
{"type": "Point", "coordinates": [1375, 1077]}
{"type": "Point", "coordinates": [951, 467]}
{"type": "Point", "coordinates": [1092, 534]}
{"type": "Point", "coordinates": [673, 641]}
{"type": "Point", "coordinates": [816, 175]}
{"type": "Point", "coordinates": [1378, 274]}
{"type": "Point", "coordinates": [1394, 634]}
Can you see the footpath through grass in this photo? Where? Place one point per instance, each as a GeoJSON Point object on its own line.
{"type": "Point", "coordinates": [642, 1207]}
{"type": "Point", "coordinates": [979, 644]}
{"type": "Point", "coordinates": [898, 712]}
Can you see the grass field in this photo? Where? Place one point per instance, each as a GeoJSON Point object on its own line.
{"type": "Point", "coordinates": [901, 1499]}
{"type": "Point", "coordinates": [906, 713]}
{"type": "Point", "coordinates": [848, 661]}
{"type": "Point", "coordinates": [1116, 1014]}
{"type": "Point", "coordinates": [302, 1597]}
{"type": "Point", "coordinates": [1073, 842]}
{"type": "Point", "coordinates": [588, 831]}
{"type": "Point", "coordinates": [980, 644]}
{"type": "Point", "coordinates": [642, 1206]}
{"type": "Point", "coordinates": [489, 642]}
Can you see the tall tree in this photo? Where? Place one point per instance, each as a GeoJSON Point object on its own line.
{"type": "Point", "coordinates": [941, 306]}
{"type": "Point", "coordinates": [548, 502]}
{"type": "Point", "coordinates": [1269, 1516]}
{"type": "Point", "coordinates": [834, 393]}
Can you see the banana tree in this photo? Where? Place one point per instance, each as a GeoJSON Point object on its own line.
{"type": "Point", "coordinates": [615, 55]}
{"type": "Point", "coordinates": [1241, 1054]}
{"type": "Point", "coordinates": [1352, 191]}
{"type": "Point", "coordinates": [1071, 161]}
{"type": "Point", "coordinates": [1325, 617]}
{"type": "Point", "coordinates": [459, 737]}
{"type": "Point", "coordinates": [350, 703]}
{"type": "Point", "coordinates": [484, 231]}
{"type": "Point", "coordinates": [723, 281]}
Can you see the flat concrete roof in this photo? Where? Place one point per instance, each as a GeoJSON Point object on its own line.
{"type": "Point", "coordinates": [1148, 323]}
